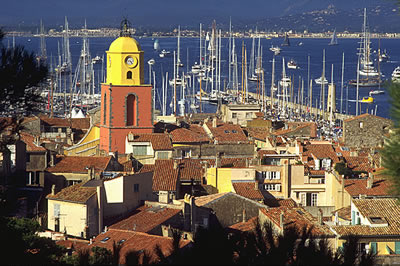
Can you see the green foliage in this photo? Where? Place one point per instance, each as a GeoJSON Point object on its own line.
{"type": "Point", "coordinates": [24, 246]}
{"type": "Point", "coordinates": [391, 151]}
{"type": "Point", "coordinates": [341, 168]}
{"type": "Point", "coordinates": [101, 256]}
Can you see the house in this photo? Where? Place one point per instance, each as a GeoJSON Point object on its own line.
{"type": "Point", "coordinates": [151, 219]}
{"type": "Point", "coordinates": [365, 130]}
{"type": "Point", "coordinates": [299, 130]}
{"type": "Point", "coordinates": [64, 171]}
{"type": "Point", "coordinates": [225, 209]}
{"type": "Point", "coordinates": [239, 114]}
{"type": "Point", "coordinates": [61, 130]}
{"type": "Point", "coordinates": [84, 209]}
{"type": "Point", "coordinates": [88, 145]}
{"type": "Point", "coordinates": [135, 241]}
{"type": "Point", "coordinates": [148, 147]}
{"type": "Point", "coordinates": [375, 222]}
{"type": "Point", "coordinates": [166, 180]}
{"type": "Point", "coordinates": [188, 141]}
{"type": "Point", "coordinates": [297, 217]}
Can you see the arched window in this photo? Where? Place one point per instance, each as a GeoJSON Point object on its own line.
{"type": "Point", "coordinates": [129, 75]}
{"type": "Point", "coordinates": [105, 109]}
{"type": "Point", "coordinates": [131, 110]}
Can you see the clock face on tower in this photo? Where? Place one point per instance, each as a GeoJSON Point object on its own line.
{"type": "Point", "coordinates": [131, 61]}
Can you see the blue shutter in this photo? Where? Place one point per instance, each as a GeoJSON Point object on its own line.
{"type": "Point", "coordinates": [374, 247]}
{"type": "Point", "coordinates": [397, 247]}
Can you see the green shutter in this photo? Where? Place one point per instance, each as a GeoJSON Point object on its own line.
{"type": "Point", "coordinates": [374, 247]}
{"type": "Point", "coordinates": [397, 247]}
{"type": "Point", "coordinates": [353, 217]}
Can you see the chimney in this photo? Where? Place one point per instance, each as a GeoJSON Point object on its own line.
{"type": "Point", "coordinates": [336, 218]}
{"type": "Point", "coordinates": [218, 160]}
{"type": "Point", "coordinates": [214, 122]}
{"type": "Point", "coordinates": [370, 180]}
{"type": "Point", "coordinates": [244, 216]}
{"type": "Point", "coordinates": [52, 159]}
{"type": "Point", "coordinates": [281, 220]}
{"type": "Point", "coordinates": [247, 162]}
{"type": "Point", "coordinates": [256, 185]}
{"type": "Point", "coordinates": [53, 189]}
{"type": "Point", "coordinates": [175, 165]}
{"type": "Point", "coordinates": [320, 215]}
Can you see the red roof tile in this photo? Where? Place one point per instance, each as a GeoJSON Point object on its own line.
{"type": "Point", "coordinates": [248, 190]}
{"type": "Point", "coordinates": [30, 142]}
{"type": "Point", "coordinates": [78, 123]}
{"type": "Point", "coordinates": [247, 226]}
{"type": "Point", "coordinates": [296, 217]}
{"type": "Point", "coordinates": [135, 241]}
{"type": "Point", "coordinates": [147, 168]}
{"type": "Point", "coordinates": [159, 141]}
{"type": "Point", "coordinates": [183, 135]}
{"type": "Point", "coordinates": [355, 187]}
{"type": "Point", "coordinates": [228, 133]}
{"type": "Point", "coordinates": [79, 164]}
{"type": "Point", "coordinates": [165, 177]}
{"type": "Point", "coordinates": [75, 193]}
{"type": "Point", "coordinates": [258, 133]}
{"type": "Point", "coordinates": [146, 218]}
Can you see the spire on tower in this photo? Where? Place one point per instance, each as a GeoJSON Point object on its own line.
{"type": "Point", "coordinates": [125, 28]}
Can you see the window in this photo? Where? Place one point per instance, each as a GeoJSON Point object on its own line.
{"type": "Point", "coordinates": [314, 199]}
{"type": "Point", "coordinates": [135, 187]}
{"type": "Point", "coordinates": [361, 124]}
{"type": "Point", "coordinates": [129, 75]}
{"type": "Point", "coordinates": [234, 115]}
{"type": "Point", "coordinates": [272, 187]}
{"type": "Point", "coordinates": [28, 158]}
{"type": "Point", "coordinates": [56, 210]}
{"type": "Point", "coordinates": [162, 155]}
{"type": "Point", "coordinates": [271, 175]}
{"type": "Point", "coordinates": [186, 153]}
{"type": "Point", "coordinates": [105, 109]}
{"type": "Point", "coordinates": [139, 150]}
{"type": "Point", "coordinates": [248, 114]}
{"type": "Point", "coordinates": [131, 110]}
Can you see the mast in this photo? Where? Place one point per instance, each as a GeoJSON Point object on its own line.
{"type": "Point", "coordinates": [358, 85]}
{"type": "Point", "coordinates": [272, 82]}
{"type": "Point", "coordinates": [230, 52]}
{"type": "Point", "coordinates": [341, 87]}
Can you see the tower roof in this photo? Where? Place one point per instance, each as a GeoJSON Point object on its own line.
{"type": "Point", "coordinates": [124, 45]}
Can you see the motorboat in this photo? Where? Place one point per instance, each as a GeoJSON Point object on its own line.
{"type": "Point", "coordinates": [367, 99]}
{"type": "Point", "coordinates": [396, 75]}
{"type": "Point", "coordinates": [164, 53]}
{"type": "Point", "coordinates": [292, 64]}
{"type": "Point", "coordinates": [319, 80]}
{"type": "Point", "coordinates": [375, 92]}
{"type": "Point", "coordinates": [277, 50]}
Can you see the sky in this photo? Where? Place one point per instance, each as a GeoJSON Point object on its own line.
{"type": "Point", "coordinates": [157, 12]}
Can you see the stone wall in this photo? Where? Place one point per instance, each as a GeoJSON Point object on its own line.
{"type": "Point", "coordinates": [365, 131]}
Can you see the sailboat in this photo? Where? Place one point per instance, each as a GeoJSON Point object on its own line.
{"type": "Point", "coordinates": [156, 45]}
{"type": "Point", "coordinates": [334, 39]}
{"type": "Point", "coordinates": [286, 41]}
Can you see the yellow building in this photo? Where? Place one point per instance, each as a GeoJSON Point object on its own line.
{"type": "Point", "coordinates": [222, 178]}
{"type": "Point", "coordinates": [376, 222]}
{"type": "Point", "coordinates": [88, 145]}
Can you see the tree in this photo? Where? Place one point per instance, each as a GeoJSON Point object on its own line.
{"type": "Point", "coordinates": [391, 151]}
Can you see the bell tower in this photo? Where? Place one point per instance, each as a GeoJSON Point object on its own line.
{"type": "Point", "coordinates": [126, 102]}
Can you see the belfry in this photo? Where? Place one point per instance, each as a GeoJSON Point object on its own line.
{"type": "Point", "coordinates": [126, 102]}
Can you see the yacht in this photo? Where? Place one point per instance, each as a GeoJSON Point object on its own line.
{"type": "Point", "coordinates": [396, 75]}
{"type": "Point", "coordinates": [292, 64]}
{"type": "Point", "coordinates": [277, 50]}
{"type": "Point", "coordinates": [319, 80]}
{"type": "Point", "coordinates": [164, 53]}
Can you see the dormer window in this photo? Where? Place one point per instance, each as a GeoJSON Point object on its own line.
{"type": "Point", "coordinates": [376, 221]}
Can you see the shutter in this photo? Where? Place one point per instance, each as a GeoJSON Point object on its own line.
{"type": "Point", "coordinates": [308, 199]}
{"type": "Point", "coordinates": [278, 187]}
{"type": "Point", "coordinates": [269, 175]}
{"type": "Point", "coordinates": [278, 175]}
{"type": "Point", "coordinates": [397, 247]}
{"type": "Point", "coordinates": [56, 210]}
{"type": "Point", "coordinates": [373, 247]}
{"type": "Point", "coordinates": [353, 218]}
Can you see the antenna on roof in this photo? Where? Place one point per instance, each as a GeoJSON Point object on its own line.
{"type": "Point", "coordinates": [125, 28]}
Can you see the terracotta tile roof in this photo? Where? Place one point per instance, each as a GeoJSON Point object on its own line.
{"type": "Point", "coordinates": [277, 141]}
{"type": "Point", "coordinates": [183, 135]}
{"type": "Point", "coordinates": [29, 140]}
{"type": "Point", "coordinates": [147, 168]}
{"type": "Point", "coordinates": [228, 133]}
{"type": "Point", "coordinates": [135, 241]}
{"type": "Point", "coordinates": [389, 209]}
{"type": "Point", "coordinates": [287, 203]}
{"type": "Point", "coordinates": [358, 163]}
{"type": "Point", "coordinates": [190, 168]}
{"type": "Point", "coordinates": [321, 151]}
{"type": "Point", "coordinates": [261, 153]}
{"type": "Point", "coordinates": [159, 141]}
{"type": "Point", "coordinates": [73, 243]}
{"type": "Point", "coordinates": [204, 200]}
{"type": "Point", "coordinates": [259, 133]}
{"type": "Point", "coordinates": [248, 190]}
{"type": "Point", "coordinates": [79, 164]}
{"type": "Point", "coordinates": [78, 123]}
{"type": "Point", "coordinates": [247, 226]}
{"type": "Point", "coordinates": [75, 193]}
{"type": "Point", "coordinates": [355, 187]}
{"type": "Point", "coordinates": [297, 217]}
{"type": "Point", "coordinates": [365, 115]}
{"type": "Point", "coordinates": [165, 177]}
{"type": "Point", "coordinates": [344, 213]}
{"type": "Point", "coordinates": [145, 218]}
